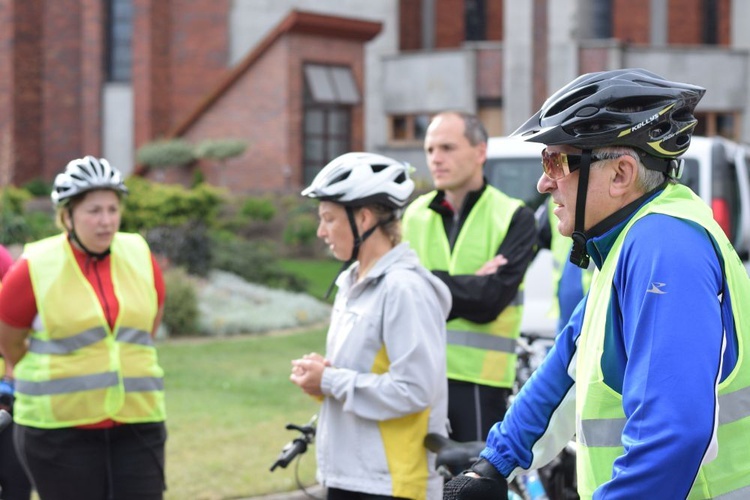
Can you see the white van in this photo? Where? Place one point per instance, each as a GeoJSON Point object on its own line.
{"type": "Point", "coordinates": [718, 170]}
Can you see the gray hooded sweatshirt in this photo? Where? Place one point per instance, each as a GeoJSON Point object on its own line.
{"type": "Point", "coordinates": [387, 387]}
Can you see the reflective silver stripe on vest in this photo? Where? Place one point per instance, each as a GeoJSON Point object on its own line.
{"type": "Point", "coordinates": [68, 344]}
{"type": "Point", "coordinates": [518, 299]}
{"type": "Point", "coordinates": [134, 336]}
{"type": "Point", "coordinates": [608, 432]}
{"type": "Point", "coordinates": [143, 384]}
{"type": "Point", "coordinates": [741, 494]}
{"type": "Point", "coordinates": [481, 341]}
{"type": "Point", "coordinates": [601, 432]}
{"type": "Point", "coordinates": [734, 406]}
{"type": "Point", "coordinates": [66, 385]}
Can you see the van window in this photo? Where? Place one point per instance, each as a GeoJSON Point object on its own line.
{"type": "Point", "coordinates": [725, 192]}
{"type": "Point", "coordinates": [516, 177]}
{"type": "Point", "coordinates": [690, 175]}
{"type": "Point", "coordinates": [725, 200]}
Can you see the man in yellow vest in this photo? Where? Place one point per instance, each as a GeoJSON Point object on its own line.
{"type": "Point", "coordinates": [478, 241]}
{"type": "Point", "coordinates": [652, 373]}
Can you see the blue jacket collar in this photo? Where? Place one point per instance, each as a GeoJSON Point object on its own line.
{"type": "Point", "coordinates": [603, 235]}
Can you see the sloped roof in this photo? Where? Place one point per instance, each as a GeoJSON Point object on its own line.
{"type": "Point", "coordinates": [296, 22]}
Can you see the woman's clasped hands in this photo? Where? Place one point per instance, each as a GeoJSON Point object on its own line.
{"type": "Point", "coordinates": [307, 372]}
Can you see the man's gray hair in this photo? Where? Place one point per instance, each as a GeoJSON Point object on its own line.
{"type": "Point", "coordinates": [647, 179]}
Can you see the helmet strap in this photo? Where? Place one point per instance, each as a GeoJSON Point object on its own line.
{"type": "Point", "coordinates": [358, 240]}
{"type": "Point", "coordinates": [578, 255]}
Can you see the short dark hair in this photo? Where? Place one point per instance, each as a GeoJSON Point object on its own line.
{"type": "Point", "coordinates": [474, 130]}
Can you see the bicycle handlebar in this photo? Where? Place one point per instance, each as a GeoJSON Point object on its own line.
{"type": "Point", "coordinates": [455, 456]}
{"type": "Point", "coordinates": [298, 445]}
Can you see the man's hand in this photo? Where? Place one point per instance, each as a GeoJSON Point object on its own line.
{"type": "Point", "coordinates": [482, 482]}
{"type": "Point", "coordinates": [492, 265]}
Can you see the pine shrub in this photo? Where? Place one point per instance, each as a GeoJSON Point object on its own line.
{"type": "Point", "coordinates": [181, 305]}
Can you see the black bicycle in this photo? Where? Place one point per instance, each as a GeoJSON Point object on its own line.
{"type": "Point", "coordinates": [297, 447]}
{"type": "Point", "coordinates": [558, 478]}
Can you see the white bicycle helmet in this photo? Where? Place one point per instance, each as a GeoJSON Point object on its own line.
{"type": "Point", "coordinates": [86, 174]}
{"type": "Point", "coordinates": [357, 179]}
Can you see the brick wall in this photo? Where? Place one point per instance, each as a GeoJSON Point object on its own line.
{"type": "Point", "coordinates": [179, 52]}
{"type": "Point", "coordinates": [199, 51]}
{"type": "Point", "coordinates": [631, 21]}
{"type": "Point", "coordinates": [151, 69]}
{"type": "Point", "coordinates": [92, 75]}
{"type": "Point", "coordinates": [685, 22]}
{"type": "Point", "coordinates": [264, 107]}
{"type": "Point", "coordinates": [21, 108]}
{"type": "Point", "coordinates": [61, 84]}
{"type": "Point", "coordinates": [495, 20]}
{"type": "Point", "coordinates": [449, 23]}
{"type": "Point", "coordinates": [410, 24]}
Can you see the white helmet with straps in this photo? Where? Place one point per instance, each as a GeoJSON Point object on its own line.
{"type": "Point", "coordinates": [357, 179]}
{"type": "Point", "coordinates": [86, 174]}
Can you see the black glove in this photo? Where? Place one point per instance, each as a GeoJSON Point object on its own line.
{"type": "Point", "coordinates": [491, 485]}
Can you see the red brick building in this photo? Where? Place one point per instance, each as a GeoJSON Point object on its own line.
{"type": "Point", "coordinates": [55, 64]}
{"type": "Point", "coordinates": [299, 95]}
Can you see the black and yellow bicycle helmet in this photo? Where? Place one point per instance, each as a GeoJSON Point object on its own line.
{"type": "Point", "coordinates": [625, 107]}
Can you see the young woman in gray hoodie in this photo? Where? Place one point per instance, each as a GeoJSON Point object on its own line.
{"type": "Point", "coordinates": [382, 381]}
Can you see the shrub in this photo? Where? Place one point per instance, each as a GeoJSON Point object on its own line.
{"type": "Point", "coordinates": [258, 208]}
{"type": "Point", "coordinates": [13, 228]}
{"type": "Point", "coordinates": [254, 261]}
{"type": "Point", "coordinates": [166, 153]}
{"type": "Point", "coordinates": [38, 187]}
{"type": "Point", "coordinates": [220, 149]}
{"type": "Point", "coordinates": [14, 199]}
{"type": "Point", "coordinates": [181, 304]}
{"type": "Point", "coordinates": [40, 225]}
{"type": "Point", "coordinates": [151, 204]}
{"type": "Point", "coordinates": [300, 232]}
{"type": "Point", "coordinates": [18, 226]}
{"type": "Point", "coordinates": [187, 246]}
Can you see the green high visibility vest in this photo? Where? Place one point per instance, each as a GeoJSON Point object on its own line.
{"type": "Point", "coordinates": [599, 413]}
{"type": "Point", "coordinates": [77, 370]}
{"type": "Point", "coordinates": [482, 353]}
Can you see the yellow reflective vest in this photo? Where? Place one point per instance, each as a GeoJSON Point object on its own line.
{"type": "Point", "coordinates": [78, 370]}
{"type": "Point", "coordinates": [600, 417]}
{"type": "Point", "coordinates": [481, 353]}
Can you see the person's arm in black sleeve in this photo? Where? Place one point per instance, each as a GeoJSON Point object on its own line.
{"type": "Point", "coordinates": [482, 298]}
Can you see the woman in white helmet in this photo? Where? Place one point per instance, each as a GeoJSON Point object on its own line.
{"type": "Point", "coordinates": [78, 313]}
{"type": "Point", "coordinates": [382, 382]}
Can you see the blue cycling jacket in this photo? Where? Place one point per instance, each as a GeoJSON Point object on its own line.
{"type": "Point", "coordinates": [654, 358]}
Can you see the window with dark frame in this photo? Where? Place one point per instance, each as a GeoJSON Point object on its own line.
{"type": "Point", "coordinates": [475, 15]}
{"type": "Point", "coordinates": [710, 22]}
{"type": "Point", "coordinates": [408, 128]}
{"type": "Point", "coordinates": [119, 40]}
{"type": "Point", "coordinates": [713, 123]}
{"type": "Point", "coordinates": [329, 94]}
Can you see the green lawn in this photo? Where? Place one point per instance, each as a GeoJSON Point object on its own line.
{"type": "Point", "coordinates": [228, 402]}
{"type": "Point", "coordinates": [319, 273]}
